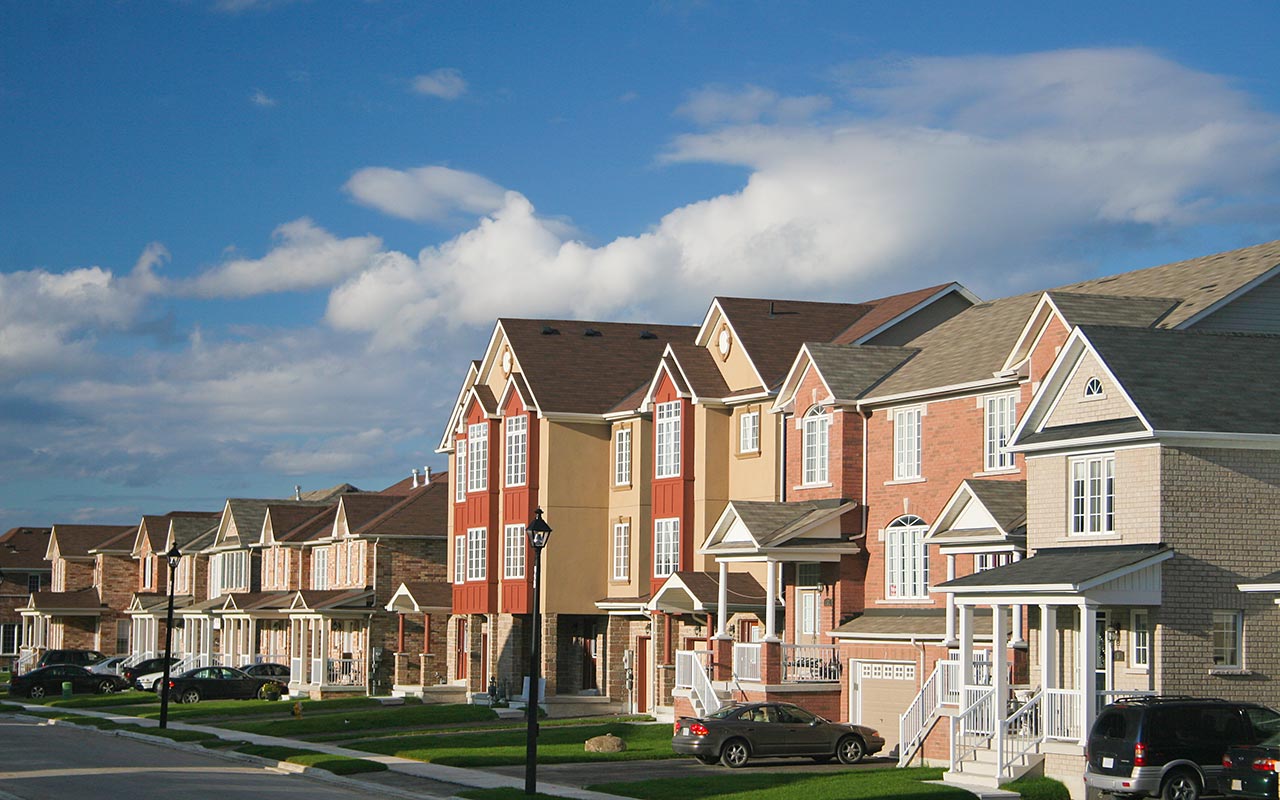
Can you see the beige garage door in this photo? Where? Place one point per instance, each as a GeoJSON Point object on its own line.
{"type": "Point", "coordinates": [885, 689]}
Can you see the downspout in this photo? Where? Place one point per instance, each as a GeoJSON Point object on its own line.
{"type": "Point", "coordinates": [368, 637]}
{"type": "Point", "coordinates": [866, 517]}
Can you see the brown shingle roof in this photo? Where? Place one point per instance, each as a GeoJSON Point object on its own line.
{"type": "Point", "coordinates": [77, 600]}
{"type": "Point", "coordinates": [429, 594]}
{"type": "Point", "coordinates": [425, 512]}
{"type": "Point", "coordinates": [360, 509]}
{"type": "Point", "coordinates": [24, 548]}
{"type": "Point", "coordinates": [75, 541]}
{"type": "Point", "coordinates": [699, 367]}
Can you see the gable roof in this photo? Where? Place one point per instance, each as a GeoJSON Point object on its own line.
{"type": "Point", "coordinates": [1069, 569]}
{"type": "Point", "coordinates": [24, 548]}
{"type": "Point", "coordinates": [849, 372]}
{"type": "Point", "coordinates": [420, 596]}
{"type": "Point", "coordinates": [359, 509]}
{"type": "Point", "coordinates": [699, 591]}
{"type": "Point", "coordinates": [76, 541]}
{"type": "Point", "coordinates": [425, 512]}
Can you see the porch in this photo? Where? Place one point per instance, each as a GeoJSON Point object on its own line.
{"type": "Point", "coordinates": [417, 667]}
{"type": "Point", "coordinates": [728, 671]}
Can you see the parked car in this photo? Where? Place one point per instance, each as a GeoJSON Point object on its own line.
{"type": "Point", "coordinates": [735, 734]}
{"type": "Point", "coordinates": [1171, 747]}
{"type": "Point", "coordinates": [144, 667]}
{"type": "Point", "coordinates": [1254, 770]}
{"type": "Point", "coordinates": [46, 681]}
{"type": "Point", "coordinates": [81, 658]}
{"type": "Point", "coordinates": [220, 683]}
{"type": "Point", "coordinates": [268, 670]}
{"type": "Point", "coordinates": [149, 682]}
{"type": "Point", "coordinates": [108, 666]}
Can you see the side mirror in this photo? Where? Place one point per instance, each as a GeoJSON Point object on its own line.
{"type": "Point", "coordinates": [813, 723]}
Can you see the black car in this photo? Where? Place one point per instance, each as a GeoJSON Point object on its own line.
{"type": "Point", "coordinates": [735, 734]}
{"type": "Point", "coordinates": [1170, 747]}
{"type": "Point", "coordinates": [47, 681]}
{"type": "Point", "coordinates": [221, 683]}
{"type": "Point", "coordinates": [145, 667]}
{"type": "Point", "coordinates": [1253, 770]}
{"type": "Point", "coordinates": [81, 658]}
{"type": "Point", "coordinates": [277, 671]}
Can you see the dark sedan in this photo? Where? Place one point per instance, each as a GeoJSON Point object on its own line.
{"type": "Point", "coordinates": [48, 681]}
{"type": "Point", "coordinates": [277, 671]}
{"type": "Point", "coordinates": [145, 667]}
{"type": "Point", "coordinates": [736, 734]}
{"type": "Point", "coordinates": [1251, 770]}
{"type": "Point", "coordinates": [221, 683]}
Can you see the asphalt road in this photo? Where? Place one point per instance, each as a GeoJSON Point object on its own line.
{"type": "Point", "coordinates": [581, 775]}
{"type": "Point", "coordinates": [56, 762]}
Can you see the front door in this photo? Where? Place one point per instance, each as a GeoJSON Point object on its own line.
{"type": "Point", "coordinates": [640, 671]}
{"type": "Point", "coordinates": [460, 650]}
{"type": "Point", "coordinates": [1102, 681]}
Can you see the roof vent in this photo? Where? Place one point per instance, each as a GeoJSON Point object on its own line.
{"type": "Point", "coordinates": [297, 492]}
{"type": "Point", "coordinates": [592, 332]}
{"type": "Point", "coordinates": [547, 330]}
{"type": "Point", "coordinates": [648, 335]}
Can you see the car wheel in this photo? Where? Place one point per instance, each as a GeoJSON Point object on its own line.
{"type": "Point", "coordinates": [735, 753]}
{"type": "Point", "coordinates": [708, 760]}
{"type": "Point", "coordinates": [36, 692]}
{"type": "Point", "coordinates": [1181, 785]}
{"type": "Point", "coordinates": [267, 691]}
{"type": "Point", "coordinates": [155, 687]}
{"type": "Point", "coordinates": [191, 696]}
{"type": "Point", "coordinates": [106, 687]}
{"type": "Point", "coordinates": [850, 750]}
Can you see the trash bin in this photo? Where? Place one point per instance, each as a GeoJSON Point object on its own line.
{"type": "Point", "coordinates": [66, 689]}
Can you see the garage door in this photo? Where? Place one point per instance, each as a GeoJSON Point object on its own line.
{"type": "Point", "coordinates": [884, 690]}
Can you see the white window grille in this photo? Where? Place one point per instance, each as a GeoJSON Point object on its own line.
{"type": "Point", "coordinates": [320, 568]}
{"type": "Point", "coordinates": [10, 638]}
{"type": "Point", "coordinates": [459, 559]}
{"type": "Point", "coordinates": [1228, 639]}
{"type": "Point", "coordinates": [622, 457]}
{"type": "Point", "coordinates": [517, 449]}
{"type": "Point", "coordinates": [907, 575]}
{"type": "Point", "coordinates": [513, 550]}
{"type": "Point", "coordinates": [148, 572]}
{"type": "Point", "coordinates": [1001, 418]}
{"type": "Point", "coordinates": [1093, 388]}
{"type": "Point", "coordinates": [906, 443]}
{"type": "Point", "coordinates": [478, 457]}
{"type": "Point", "coordinates": [666, 546]}
{"type": "Point", "coordinates": [460, 473]}
{"type": "Point", "coordinates": [1139, 640]}
{"type": "Point", "coordinates": [749, 432]}
{"type": "Point", "coordinates": [985, 561]}
{"type": "Point", "coordinates": [1093, 494]}
{"type": "Point", "coordinates": [622, 551]}
{"type": "Point", "coordinates": [816, 447]}
{"type": "Point", "coordinates": [667, 433]}
{"type": "Point", "coordinates": [477, 553]}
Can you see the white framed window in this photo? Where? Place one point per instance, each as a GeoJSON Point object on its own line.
{"type": "Point", "coordinates": [513, 550]}
{"type": "Point", "coordinates": [1093, 388]}
{"type": "Point", "coordinates": [148, 572]}
{"type": "Point", "coordinates": [809, 574]}
{"type": "Point", "coordinates": [1139, 640]}
{"type": "Point", "coordinates": [59, 575]}
{"type": "Point", "coordinates": [666, 546]}
{"type": "Point", "coordinates": [906, 443]}
{"type": "Point", "coordinates": [228, 572]}
{"type": "Point", "coordinates": [460, 473]}
{"type": "Point", "coordinates": [907, 558]}
{"type": "Point", "coordinates": [478, 457]}
{"type": "Point", "coordinates": [342, 563]}
{"type": "Point", "coordinates": [809, 613]}
{"type": "Point", "coordinates": [1228, 639]}
{"type": "Point", "coordinates": [622, 457]}
{"type": "Point", "coordinates": [749, 432]}
{"type": "Point", "coordinates": [477, 552]}
{"type": "Point", "coordinates": [269, 569]}
{"type": "Point", "coordinates": [622, 551]}
{"type": "Point", "coordinates": [667, 441]}
{"type": "Point", "coordinates": [1093, 494]}
{"type": "Point", "coordinates": [182, 576]}
{"type": "Point", "coordinates": [1001, 413]}
{"type": "Point", "coordinates": [459, 559]}
{"type": "Point", "coordinates": [320, 568]}
{"type": "Point", "coordinates": [815, 447]}
{"type": "Point", "coordinates": [517, 449]}
{"type": "Point", "coordinates": [10, 638]}
{"type": "Point", "coordinates": [985, 561]}
{"type": "Point", "coordinates": [33, 584]}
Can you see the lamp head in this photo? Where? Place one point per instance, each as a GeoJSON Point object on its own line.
{"type": "Point", "coordinates": [173, 556]}
{"type": "Point", "coordinates": [538, 531]}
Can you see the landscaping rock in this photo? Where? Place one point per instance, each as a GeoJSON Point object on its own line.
{"type": "Point", "coordinates": [605, 744]}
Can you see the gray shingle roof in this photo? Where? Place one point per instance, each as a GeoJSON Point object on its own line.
{"type": "Point", "coordinates": [851, 371]}
{"type": "Point", "coordinates": [909, 622]}
{"type": "Point", "coordinates": [1060, 566]}
{"type": "Point", "coordinates": [770, 521]}
{"type": "Point", "coordinates": [1093, 309]}
{"type": "Point", "coordinates": [1080, 430]}
{"type": "Point", "coordinates": [1006, 501]}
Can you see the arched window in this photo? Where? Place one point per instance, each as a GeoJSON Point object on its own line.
{"type": "Point", "coordinates": [815, 446]}
{"type": "Point", "coordinates": [906, 559]}
{"type": "Point", "coordinates": [1093, 388]}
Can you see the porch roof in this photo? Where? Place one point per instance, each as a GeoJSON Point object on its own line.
{"type": "Point", "coordinates": [983, 514]}
{"type": "Point", "coordinates": [907, 623]}
{"type": "Point", "coordinates": [699, 591]}
{"type": "Point", "coordinates": [757, 528]}
{"type": "Point", "coordinates": [81, 603]}
{"type": "Point", "coordinates": [331, 600]}
{"type": "Point", "coordinates": [421, 596]}
{"type": "Point", "coordinates": [1267, 583]}
{"type": "Point", "coordinates": [152, 602]}
{"type": "Point", "coordinates": [255, 601]}
{"type": "Point", "coordinates": [1104, 573]}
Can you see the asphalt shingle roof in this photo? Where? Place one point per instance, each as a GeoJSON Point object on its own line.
{"type": "Point", "coordinates": [75, 541]}
{"type": "Point", "coordinates": [1006, 501]}
{"type": "Point", "coordinates": [853, 370]}
{"type": "Point", "coordinates": [1107, 427]}
{"type": "Point", "coordinates": [769, 521]}
{"type": "Point", "coordinates": [1059, 566]}
{"type": "Point", "coordinates": [24, 548]}
{"type": "Point", "coordinates": [905, 622]}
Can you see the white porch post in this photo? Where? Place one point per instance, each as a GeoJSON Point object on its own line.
{"type": "Point", "coordinates": [1048, 646]}
{"type": "Point", "coordinates": [950, 641]}
{"type": "Point", "coordinates": [723, 603]}
{"type": "Point", "coordinates": [771, 593]}
{"type": "Point", "coordinates": [1086, 658]}
{"type": "Point", "coordinates": [252, 649]}
{"type": "Point", "coordinates": [966, 651]}
{"type": "Point", "coordinates": [1016, 638]}
{"type": "Point", "coordinates": [324, 650]}
{"type": "Point", "coordinates": [999, 664]}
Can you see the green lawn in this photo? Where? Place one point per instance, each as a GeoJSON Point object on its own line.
{"type": "Point", "coordinates": [340, 765]}
{"type": "Point", "coordinates": [898, 784]}
{"type": "Point", "coordinates": [283, 709]}
{"type": "Point", "coordinates": [366, 720]}
{"type": "Point", "coordinates": [142, 700]}
{"type": "Point", "coordinates": [500, 794]}
{"type": "Point", "coordinates": [556, 745]}
{"type": "Point", "coordinates": [494, 725]}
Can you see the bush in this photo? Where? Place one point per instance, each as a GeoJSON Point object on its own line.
{"type": "Point", "coordinates": [1039, 789]}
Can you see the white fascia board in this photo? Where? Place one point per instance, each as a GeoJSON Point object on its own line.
{"type": "Point", "coordinates": [1036, 323]}
{"type": "Point", "coordinates": [1259, 441]}
{"type": "Point", "coordinates": [491, 349]}
{"type": "Point", "coordinates": [918, 307]}
{"type": "Point", "coordinates": [918, 638]}
{"type": "Point", "coordinates": [1005, 589]}
{"type": "Point", "coordinates": [740, 399]}
{"type": "Point", "coordinates": [446, 442]}
{"type": "Point", "coordinates": [791, 383]}
{"type": "Point", "coordinates": [620, 416]}
{"type": "Point", "coordinates": [570, 416]}
{"type": "Point", "coordinates": [1126, 570]}
{"type": "Point", "coordinates": [973, 387]}
{"type": "Point", "coordinates": [1260, 587]}
{"type": "Point", "coordinates": [513, 386]}
{"type": "Point", "coordinates": [646, 405]}
{"type": "Point", "coordinates": [960, 548]}
{"type": "Point", "coordinates": [1086, 442]}
{"type": "Point", "coordinates": [946, 514]}
{"type": "Point", "coordinates": [1229, 299]}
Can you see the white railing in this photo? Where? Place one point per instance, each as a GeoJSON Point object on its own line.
{"type": "Point", "coordinates": [746, 661]}
{"type": "Point", "coordinates": [686, 663]}
{"type": "Point", "coordinates": [344, 672]}
{"type": "Point", "coordinates": [702, 688]}
{"type": "Point", "coordinates": [807, 663]}
{"type": "Point", "coordinates": [26, 662]}
{"type": "Point", "coordinates": [915, 722]}
{"type": "Point", "coordinates": [295, 670]}
{"type": "Point", "coordinates": [136, 658]}
{"type": "Point", "coordinates": [1062, 714]}
{"type": "Point", "coordinates": [974, 726]}
{"type": "Point", "coordinates": [1019, 734]}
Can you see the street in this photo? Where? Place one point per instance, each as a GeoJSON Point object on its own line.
{"type": "Point", "coordinates": [581, 775]}
{"type": "Point", "coordinates": [54, 762]}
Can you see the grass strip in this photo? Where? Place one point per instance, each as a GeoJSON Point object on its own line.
{"type": "Point", "coordinates": [495, 725]}
{"type": "Point", "coordinates": [1039, 789]}
{"type": "Point", "coordinates": [556, 745]}
{"type": "Point", "coordinates": [339, 765]}
{"type": "Point", "coordinates": [140, 699]}
{"type": "Point", "coordinates": [504, 793]}
{"type": "Point", "coordinates": [231, 709]}
{"type": "Point", "coordinates": [170, 733]}
{"type": "Point", "coordinates": [362, 720]}
{"type": "Point", "coordinates": [874, 784]}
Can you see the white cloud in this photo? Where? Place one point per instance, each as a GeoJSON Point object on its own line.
{"type": "Point", "coordinates": [424, 194]}
{"type": "Point", "coordinates": [971, 168]}
{"type": "Point", "coordinates": [446, 83]}
{"type": "Point", "coordinates": [262, 99]}
{"type": "Point", "coordinates": [715, 104]}
{"type": "Point", "coordinates": [305, 257]}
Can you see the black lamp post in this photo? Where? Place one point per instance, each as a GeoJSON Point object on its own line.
{"type": "Point", "coordinates": [173, 557]}
{"type": "Point", "coordinates": [538, 532]}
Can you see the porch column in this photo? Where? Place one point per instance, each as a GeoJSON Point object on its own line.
{"type": "Point", "coordinates": [1016, 640]}
{"type": "Point", "coordinates": [253, 639]}
{"type": "Point", "coordinates": [966, 651]}
{"type": "Point", "coordinates": [771, 593]}
{"type": "Point", "coordinates": [1048, 646]}
{"type": "Point", "coordinates": [1086, 659]}
{"type": "Point", "coordinates": [722, 603]}
{"type": "Point", "coordinates": [324, 650]}
{"type": "Point", "coordinates": [950, 641]}
{"type": "Point", "coordinates": [999, 663]}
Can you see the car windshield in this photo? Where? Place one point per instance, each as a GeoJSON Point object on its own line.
{"type": "Point", "coordinates": [724, 713]}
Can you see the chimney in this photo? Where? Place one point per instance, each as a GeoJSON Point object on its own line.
{"type": "Point", "coordinates": [297, 492]}
{"type": "Point", "coordinates": [426, 475]}
{"type": "Point", "coordinates": [415, 477]}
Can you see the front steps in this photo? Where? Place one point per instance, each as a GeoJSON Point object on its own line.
{"type": "Point", "coordinates": [980, 769]}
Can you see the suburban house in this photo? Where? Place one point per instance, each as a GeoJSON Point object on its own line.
{"type": "Point", "coordinates": [23, 572]}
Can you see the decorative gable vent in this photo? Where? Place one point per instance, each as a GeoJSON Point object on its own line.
{"type": "Point", "coordinates": [1093, 388]}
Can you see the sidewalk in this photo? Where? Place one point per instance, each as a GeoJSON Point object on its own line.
{"type": "Point", "coordinates": [467, 778]}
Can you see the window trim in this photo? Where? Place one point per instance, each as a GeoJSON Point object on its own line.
{"type": "Point", "coordinates": [666, 437]}
{"type": "Point", "coordinates": [815, 448]}
{"type": "Point", "coordinates": [517, 450]}
{"type": "Point", "coordinates": [460, 558]}
{"type": "Point", "coordinates": [896, 575]}
{"type": "Point", "coordinates": [995, 422]}
{"type": "Point", "coordinates": [1081, 512]}
{"type": "Point", "coordinates": [477, 554]}
{"type": "Point", "coordinates": [513, 552]}
{"type": "Point", "coordinates": [904, 470]}
{"type": "Point", "coordinates": [666, 546]}
{"type": "Point", "coordinates": [478, 457]}
{"type": "Point", "coordinates": [621, 546]}
{"type": "Point", "coordinates": [460, 468]}
{"type": "Point", "coordinates": [622, 456]}
{"type": "Point", "coordinates": [1236, 617]}
{"type": "Point", "coordinates": [1135, 647]}
{"type": "Point", "coordinates": [749, 434]}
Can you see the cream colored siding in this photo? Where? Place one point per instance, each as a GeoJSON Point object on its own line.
{"type": "Point", "coordinates": [576, 465]}
{"type": "Point", "coordinates": [1137, 500]}
{"type": "Point", "coordinates": [1074, 408]}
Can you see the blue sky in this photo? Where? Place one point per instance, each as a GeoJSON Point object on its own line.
{"type": "Point", "coordinates": [246, 245]}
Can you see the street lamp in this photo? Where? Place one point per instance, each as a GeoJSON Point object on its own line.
{"type": "Point", "coordinates": [173, 557]}
{"type": "Point", "coordinates": [538, 532]}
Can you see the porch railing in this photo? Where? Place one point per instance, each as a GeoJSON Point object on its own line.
{"type": "Point", "coordinates": [686, 663]}
{"type": "Point", "coordinates": [974, 726]}
{"type": "Point", "coordinates": [746, 661]}
{"type": "Point", "coordinates": [1062, 714]}
{"type": "Point", "coordinates": [914, 723]}
{"type": "Point", "coordinates": [344, 672]}
{"type": "Point", "coordinates": [808, 663]}
{"type": "Point", "coordinates": [1020, 734]}
{"type": "Point", "coordinates": [26, 661]}
{"type": "Point", "coordinates": [137, 658]}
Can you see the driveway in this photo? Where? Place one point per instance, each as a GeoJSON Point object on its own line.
{"type": "Point", "coordinates": [626, 771]}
